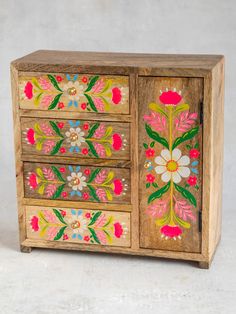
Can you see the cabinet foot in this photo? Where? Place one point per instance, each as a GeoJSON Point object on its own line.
{"type": "Point", "coordinates": [204, 265]}
{"type": "Point", "coordinates": [25, 249]}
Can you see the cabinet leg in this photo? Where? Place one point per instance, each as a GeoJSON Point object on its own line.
{"type": "Point", "coordinates": [204, 265]}
{"type": "Point", "coordinates": [25, 249]}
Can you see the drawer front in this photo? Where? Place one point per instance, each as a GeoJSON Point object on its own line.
{"type": "Point", "coordinates": [170, 163]}
{"type": "Point", "coordinates": [75, 138]}
{"type": "Point", "coordinates": [76, 183]}
{"type": "Point", "coordinates": [73, 92]}
{"type": "Point", "coordinates": [78, 225]}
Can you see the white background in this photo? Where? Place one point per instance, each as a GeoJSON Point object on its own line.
{"type": "Point", "coordinates": [65, 282]}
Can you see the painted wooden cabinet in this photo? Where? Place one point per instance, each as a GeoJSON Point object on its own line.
{"type": "Point", "coordinates": [119, 153]}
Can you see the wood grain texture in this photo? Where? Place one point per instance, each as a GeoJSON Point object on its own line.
{"type": "Point", "coordinates": [134, 159]}
{"type": "Point", "coordinates": [83, 161]}
{"type": "Point", "coordinates": [217, 150]}
{"type": "Point", "coordinates": [207, 140]}
{"type": "Point", "coordinates": [73, 138]}
{"type": "Point", "coordinates": [77, 204]}
{"type": "Point", "coordinates": [150, 235]}
{"type": "Point", "coordinates": [135, 67]}
{"type": "Point", "coordinates": [74, 92]}
{"type": "Point", "coordinates": [85, 226]}
{"type": "Point", "coordinates": [123, 63]}
{"type": "Point", "coordinates": [76, 115]}
{"type": "Point", "coordinates": [18, 162]}
{"type": "Point", "coordinates": [71, 183]}
{"type": "Point", "coordinates": [110, 249]}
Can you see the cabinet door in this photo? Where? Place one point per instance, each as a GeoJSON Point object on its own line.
{"type": "Point", "coordinates": [170, 163]}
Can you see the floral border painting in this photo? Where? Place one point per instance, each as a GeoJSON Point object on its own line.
{"type": "Point", "coordinates": [77, 92]}
{"type": "Point", "coordinates": [92, 184]}
{"type": "Point", "coordinates": [172, 164]}
{"type": "Point", "coordinates": [92, 139]}
{"type": "Point", "coordinates": [78, 225]}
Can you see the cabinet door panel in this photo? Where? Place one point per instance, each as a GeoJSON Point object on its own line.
{"type": "Point", "coordinates": [83, 226]}
{"type": "Point", "coordinates": [73, 92]}
{"type": "Point", "coordinates": [75, 138]}
{"type": "Point", "coordinates": [76, 183]}
{"type": "Point", "coordinates": [170, 161]}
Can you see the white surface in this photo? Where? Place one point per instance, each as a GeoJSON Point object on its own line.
{"type": "Point", "coordinates": [66, 282]}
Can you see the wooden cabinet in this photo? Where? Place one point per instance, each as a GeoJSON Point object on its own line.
{"type": "Point", "coordinates": [119, 153]}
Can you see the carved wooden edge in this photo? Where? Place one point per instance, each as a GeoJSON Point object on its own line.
{"type": "Point", "coordinates": [18, 162]}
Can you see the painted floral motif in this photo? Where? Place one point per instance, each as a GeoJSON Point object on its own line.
{"type": "Point", "coordinates": [98, 185]}
{"type": "Point", "coordinates": [172, 211]}
{"type": "Point", "coordinates": [85, 93]}
{"type": "Point", "coordinates": [76, 182]}
{"type": "Point", "coordinates": [75, 137]}
{"type": "Point", "coordinates": [88, 226]}
{"type": "Point", "coordinates": [172, 166]}
{"type": "Point", "coordinates": [94, 139]}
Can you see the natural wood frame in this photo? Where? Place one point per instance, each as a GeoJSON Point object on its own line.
{"type": "Point", "coordinates": [213, 76]}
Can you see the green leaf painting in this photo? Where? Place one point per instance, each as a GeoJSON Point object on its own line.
{"type": "Point", "coordinates": [159, 193]}
{"type": "Point", "coordinates": [55, 102]}
{"type": "Point", "coordinates": [155, 136]}
{"type": "Point", "coordinates": [185, 136]}
{"type": "Point", "coordinates": [171, 151]}
{"type": "Point", "coordinates": [54, 82]}
{"type": "Point", "coordinates": [186, 194]}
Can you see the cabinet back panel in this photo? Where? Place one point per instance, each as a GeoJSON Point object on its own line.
{"type": "Point", "coordinates": [170, 163]}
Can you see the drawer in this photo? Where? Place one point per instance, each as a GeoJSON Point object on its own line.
{"type": "Point", "coordinates": [76, 183]}
{"type": "Point", "coordinates": [75, 138]}
{"type": "Point", "coordinates": [73, 92]}
{"type": "Point", "coordinates": [78, 225]}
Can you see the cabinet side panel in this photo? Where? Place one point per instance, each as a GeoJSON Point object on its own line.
{"type": "Point", "coordinates": [217, 156]}
{"type": "Point", "coordinates": [18, 162]}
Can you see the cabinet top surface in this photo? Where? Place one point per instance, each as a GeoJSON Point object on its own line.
{"type": "Point", "coordinates": [132, 60]}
